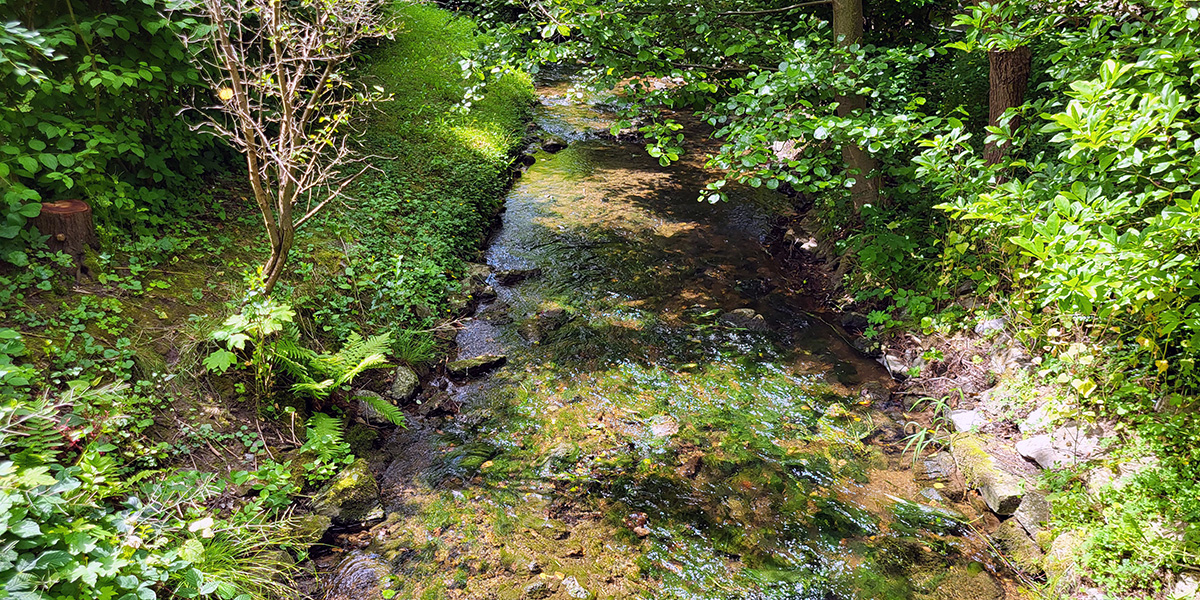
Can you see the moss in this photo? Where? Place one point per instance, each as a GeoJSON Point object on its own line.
{"type": "Point", "coordinates": [350, 496]}
{"type": "Point", "coordinates": [1018, 547]}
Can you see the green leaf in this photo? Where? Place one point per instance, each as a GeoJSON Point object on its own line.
{"type": "Point", "coordinates": [28, 163]}
{"type": "Point", "coordinates": [220, 361]}
{"type": "Point", "coordinates": [30, 210]}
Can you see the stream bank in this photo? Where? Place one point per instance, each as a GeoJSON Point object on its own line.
{"type": "Point", "coordinates": [668, 419]}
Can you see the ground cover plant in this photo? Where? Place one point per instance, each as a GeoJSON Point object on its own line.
{"type": "Point", "coordinates": [135, 398]}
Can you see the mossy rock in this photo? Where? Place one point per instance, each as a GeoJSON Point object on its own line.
{"type": "Point", "coordinates": [910, 517]}
{"type": "Point", "coordinates": [1018, 547]}
{"type": "Point", "coordinates": [475, 366]}
{"type": "Point", "coordinates": [970, 582]}
{"type": "Point", "coordinates": [350, 496]}
{"type": "Point", "coordinates": [308, 529]}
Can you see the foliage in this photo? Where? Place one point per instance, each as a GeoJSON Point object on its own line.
{"type": "Point", "coordinates": [285, 101]}
{"type": "Point", "coordinates": [324, 440]}
{"type": "Point", "coordinates": [59, 537]}
{"type": "Point", "coordinates": [394, 259]}
{"type": "Point", "coordinates": [88, 106]}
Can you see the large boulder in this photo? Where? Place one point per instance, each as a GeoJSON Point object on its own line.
{"type": "Point", "coordinates": [350, 497]}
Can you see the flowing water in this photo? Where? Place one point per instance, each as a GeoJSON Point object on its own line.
{"type": "Point", "coordinates": [644, 440]}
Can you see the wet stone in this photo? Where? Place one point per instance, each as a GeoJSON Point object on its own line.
{"type": "Point", "coordinates": [478, 365]}
{"type": "Point", "coordinates": [510, 277]}
{"type": "Point", "coordinates": [940, 466]}
{"type": "Point", "coordinates": [744, 318]}
{"type": "Point", "coordinates": [350, 496]}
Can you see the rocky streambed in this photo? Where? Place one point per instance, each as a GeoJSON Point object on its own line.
{"type": "Point", "coordinates": [643, 408]}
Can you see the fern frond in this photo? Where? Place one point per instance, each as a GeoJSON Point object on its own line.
{"type": "Point", "coordinates": [324, 428]}
{"type": "Point", "coordinates": [370, 362]}
{"type": "Point", "coordinates": [358, 350]}
{"type": "Point", "coordinates": [389, 411]}
{"type": "Point", "coordinates": [314, 389]}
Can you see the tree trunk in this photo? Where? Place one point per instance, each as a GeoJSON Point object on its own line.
{"type": "Point", "coordinates": [848, 29]}
{"type": "Point", "coordinates": [71, 230]}
{"type": "Point", "coordinates": [1008, 75]}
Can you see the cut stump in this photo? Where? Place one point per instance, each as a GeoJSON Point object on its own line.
{"type": "Point", "coordinates": [71, 230]}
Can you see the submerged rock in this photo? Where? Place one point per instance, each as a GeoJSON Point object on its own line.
{"type": "Point", "coordinates": [510, 277]}
{"type": "Point", "coordinates": [350, 496]}
{"type": "Point", "coordinates": [359, 576]}
{"type": "Point", "coordinates": [478, 365]}
{"type": "Point", "coordinates": [554, 144]}
{"type": "Point", "coordinates": [744, 318]}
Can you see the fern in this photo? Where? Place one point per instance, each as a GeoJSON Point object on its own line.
{"type": "Point", "coordinates": [340, 369]}
{"type": "Point", "coordinates": [324, 435]}
{"type": "Point", "coordinates": [390, 411]}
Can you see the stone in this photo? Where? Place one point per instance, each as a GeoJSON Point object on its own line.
{"type": "Point", "coordinates": [855, 321]}
{"type": "Point", "coordinates": [1039, 420]}
{"type": "Point", "coordinates": [574, 589]}
{"type": "Point", "coordinates": [959, 583]}
{"type": "Point", "coordinates": [967, 420]}
{"type": "Point", "coordinates": [1080, 443]}
{"type": "Point", "coordinates": [874, 392]}
{"type": "Point", "coordinates": [308, 529]}
{"type": "Point", "coordinates": [478, 272]}
{"type": "Point", "coordinates": [533, 567]}
{"type": "Point", "coordinates": [510, 277]}
{"type": "Point", "coordinates": [554, 144]}
{"type": "Point", "coordinates": [744, 318]}
{"type": "Point", "coordinates": [1001, 490]}
{"type": "Point", "coordinates": [932, 495]}
{"type": "Point", "coordinates": [537, 590]}
{"type": "Point", "coordinates": [404, 384]}
{"type": "Point", "coordinates": [896, 367]}
{"type": "Point", "coordinates": [368, 412]}
{"type": "Point", "coordinates": [1041, 450]}
{"type": "Point", "coordinates": [867, 348]}
{"type": "Point", "coordinates": [1186, 586]}
{"type": "Point", "coordinates": [1033, 513]}
{"type": "Point", "coordinates": [939, 466]}
{"type": "Point", "coordinates": [350, 496]}
{"type": "Point", "coordinates": [478, 365]}
{"type": "Point", "coordinates": [1018, 547]}
{"type": "Point", "coordinates": [911, 516]}
{"type": "Point", "coordinates": [990, 326]}
{"type": "Point", "coordinates": [1100, 479]}
{"type": "Point", "coordinates": [1059, 563]}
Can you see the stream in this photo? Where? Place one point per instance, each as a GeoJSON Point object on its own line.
{"type": "Point", "coordinates": [671, 422]}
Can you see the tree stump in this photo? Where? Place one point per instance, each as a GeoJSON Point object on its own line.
{"type": "Point", "coordinates": [71, 230]}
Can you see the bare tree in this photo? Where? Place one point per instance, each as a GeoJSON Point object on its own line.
{"type": "Point", "coordinates": [278, 70]}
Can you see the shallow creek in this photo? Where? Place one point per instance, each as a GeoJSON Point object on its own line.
{"type": "Point", "coordinates": [643, 440]}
